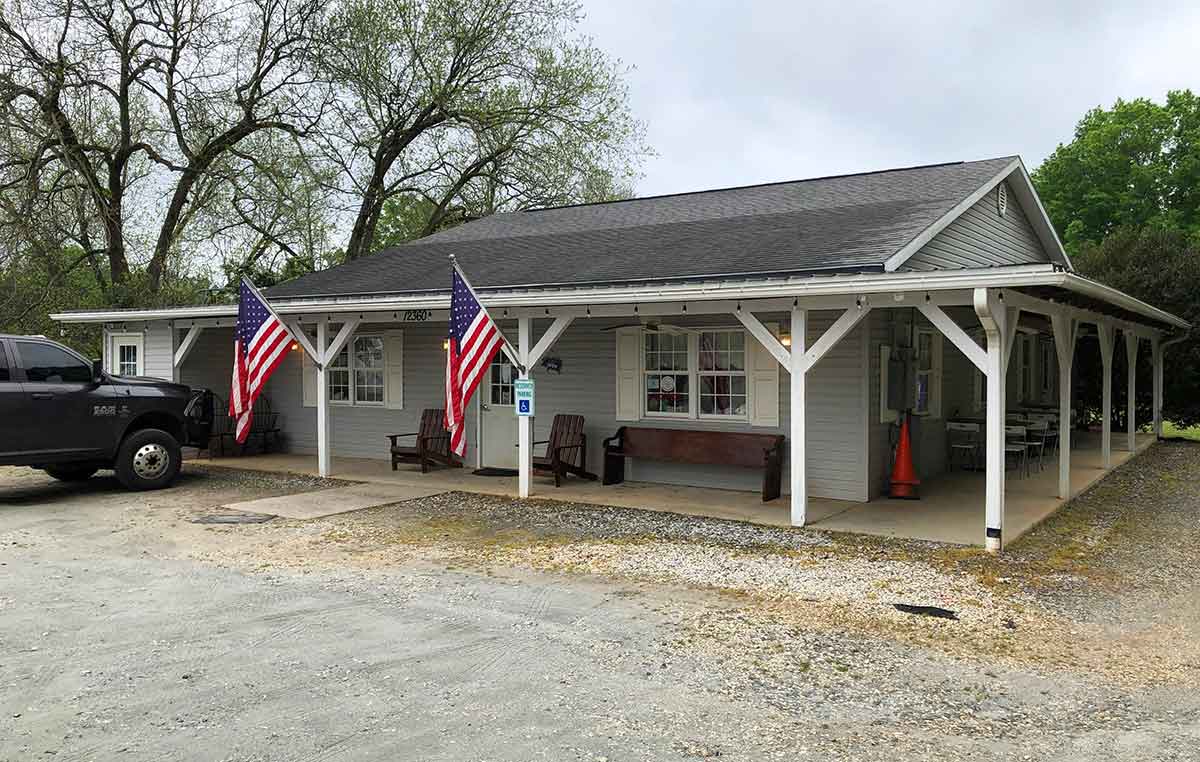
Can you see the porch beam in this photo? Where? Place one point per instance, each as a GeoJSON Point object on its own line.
{"type": "Point", "coordinates": [339, 341]}
{"type": "Point", "coordinates": [1131, 353]}
{"type": "Point", "coordinates": [1012, 319]}
{"type": "Point", "coordinates": [798, 460]}
{"type": "Point", "coordinates": [301, 336]}
{"type": "Point", "coordinates": [958, 337]}
{"type": "Point", "coordinates": [1065, 330]}
{"type": "Point", "coordinates": [186, 346]}
{"type": "Point", "coordinates": [768, 339]}
{"type": "Point", "coordinates": [323, 454]}
{"type": "Point", "coordinates": [543, 345]}
{"type": "Point", "coordinates": [524, 423]}
{"type": "Point", "coordinates": [1045, 307]}
{"type": "Point", "coordinates": [1104, 332]}
{"type": "Point", "coordinates": [835, 333]}
{"type": "Point", "coordinates": [994, 316]}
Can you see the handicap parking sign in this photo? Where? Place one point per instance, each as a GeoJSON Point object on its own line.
{"type": "Point", "coordinates": [523, 393]}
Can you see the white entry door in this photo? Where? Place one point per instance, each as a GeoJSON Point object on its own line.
{"type": "Point", "coordinates": [498, 419]}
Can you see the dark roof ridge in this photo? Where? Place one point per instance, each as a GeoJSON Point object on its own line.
{"type": "Point", "coordinates": [772, 183]}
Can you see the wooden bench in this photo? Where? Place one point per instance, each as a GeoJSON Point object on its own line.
{"type": "Point", "coordinates": [432, 443]}
{"type": "Point", "coordinates": [713, 448]}
{"type": "Point", "coordinates": [566, 450]}
{"type": "Point", "coordinates": [264, 425]}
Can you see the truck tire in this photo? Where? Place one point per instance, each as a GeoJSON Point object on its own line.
{"type": "Point", "coordinates": [71, 473]}
{"type": "Point", "coordinates": [148, 459]}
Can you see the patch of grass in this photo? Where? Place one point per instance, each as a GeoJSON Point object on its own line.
{"type": "Point", "coordinates": [1171, 431]}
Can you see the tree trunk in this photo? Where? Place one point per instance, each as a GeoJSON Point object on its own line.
{"type": "Point", "coordinates": [362, 236]}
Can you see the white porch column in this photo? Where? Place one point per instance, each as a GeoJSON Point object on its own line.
{"type": "Point", "coordinates": [1104, 331]}
{"type": "Point", "coordinates": [798, 473]}
{"type": "Point", "coordinates": [1131, 352]}
{"type": "Point", "coordinates": [323, 455]}
{"type": "Point", "coordinates": [992, 314]}
{"type": "Point", "coordinates": [1064, 345]}
{"type": "Point", "coordinates": [524, 423]}
{"type": "Point", "coordinates": [1156, 354]}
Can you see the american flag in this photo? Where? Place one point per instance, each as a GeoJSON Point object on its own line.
{"type": "Point", "coordinates": [260, 343]}
{"type": "Point", "coordinates": [474, 341]}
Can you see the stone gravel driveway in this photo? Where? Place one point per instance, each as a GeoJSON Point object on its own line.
{"type": "Point", "coordinates": [469, 628]}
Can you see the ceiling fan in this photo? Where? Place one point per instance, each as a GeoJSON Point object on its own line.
{"type": "Point", "coordinates": [654, 327]}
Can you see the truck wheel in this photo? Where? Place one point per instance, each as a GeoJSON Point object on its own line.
{"type": "Point", "coordinates": [67, 473]}
{"type": "Point", "coordinates": [148, 459]}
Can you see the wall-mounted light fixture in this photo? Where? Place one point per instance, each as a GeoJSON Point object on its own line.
{"type": "Point", "coordinates": [295, 346]}
{"type": "Point", "coordinates": [445, 345]}
{"type": "Point", "coordinates": [785, 339]}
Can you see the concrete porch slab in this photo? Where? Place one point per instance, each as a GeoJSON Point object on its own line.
{"type": "Point", "coordinates": [327, 502]}
{"type": "Point", "coordinates": [950, 509]}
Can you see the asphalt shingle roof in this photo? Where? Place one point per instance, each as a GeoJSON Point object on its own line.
{"type": "Point", "coordinates": [849, 223]}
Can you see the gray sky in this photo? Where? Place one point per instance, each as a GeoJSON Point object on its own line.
{"type": "Point", "coordinates": [737, 93]}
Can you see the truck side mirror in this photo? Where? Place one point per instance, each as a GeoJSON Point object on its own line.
{"type": "Point", "coordinates": [97, 371]}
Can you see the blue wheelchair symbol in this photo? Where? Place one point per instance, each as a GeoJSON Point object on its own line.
{"type": "Point", "coordinates": [523, 406]}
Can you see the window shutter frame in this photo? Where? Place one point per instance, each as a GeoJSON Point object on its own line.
{"type": "Point", "coordinates": [308, 383]}
{"type": "Point", "coordinates": [762, 372]}
{"type": "Point", "coordinates": [628, 367]}
{"type": "Point", "coordinates": [393, 369]}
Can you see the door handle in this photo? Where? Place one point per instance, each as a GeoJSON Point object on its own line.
{"type": "Point", "coordinates": [485, 407]}
{"type": "Point", "coordinates": [43, 395]}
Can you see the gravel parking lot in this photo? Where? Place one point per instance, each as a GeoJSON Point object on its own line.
{"type": "Point", "coordinates": [475, 628]}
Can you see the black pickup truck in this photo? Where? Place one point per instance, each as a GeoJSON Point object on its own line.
{"type": "Point", "coordinates": [65, 415]}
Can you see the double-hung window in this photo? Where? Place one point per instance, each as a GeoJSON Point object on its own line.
{"type": "Point", "coordinates": [722, 369]}
{"type": "Point", "coordinates": [927, 394]}
{"type": "Point", "coordinates": [667, 373]}
{"type": "Point", "coordinates": [356, 375]}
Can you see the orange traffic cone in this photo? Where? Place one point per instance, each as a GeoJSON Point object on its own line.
{"type": "Point", "coordinates": [904, 477]}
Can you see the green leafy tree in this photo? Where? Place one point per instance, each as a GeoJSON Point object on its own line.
{"type": "Point", "coordinates": [1136, 165]}
{"type": "Point", "coordinates": [1160, 267]}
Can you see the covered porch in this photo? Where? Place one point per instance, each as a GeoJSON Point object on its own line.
{"type": "Point", "coordinates": [948, 510]}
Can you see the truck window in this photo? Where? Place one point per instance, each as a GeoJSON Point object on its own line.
{"type": "Point", "coordinates": [4, 374]}
{"type": "Point", "coordinates": [49, 364]}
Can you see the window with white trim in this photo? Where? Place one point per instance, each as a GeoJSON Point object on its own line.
{"type": "Point", "coordinates": [722, 374]}
{"type": "Point", "coordinates": [356, 375]}
{"type": "Point", "coordinates": [927, 391]}
{"type": "Point", "coordinates": [126, 354]}
{"type": "Point", "coordinates": [1026, 367]}
{"type": "Point", "coordinates": [666, 372]}
{"type": "Point", "coordinates": [502, 375]}
{"type": "Point", "coordinates": [1047, 369]}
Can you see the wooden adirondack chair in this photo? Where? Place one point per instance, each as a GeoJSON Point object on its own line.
{"type": "Point", "coordinates": [432, 443]}
{"type": "Point", "coordinates": [566, 450]}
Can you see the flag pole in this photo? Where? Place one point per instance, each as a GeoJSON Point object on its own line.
{"type": "Point", "coordinates": [507, 346]}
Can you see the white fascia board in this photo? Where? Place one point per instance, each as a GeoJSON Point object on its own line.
{"type": "Point", "coordinates": [850, 286]}
{"type": "Point", "coordinates": [912, 247]}
{"type": "Point", "coordinates": [767, 288]}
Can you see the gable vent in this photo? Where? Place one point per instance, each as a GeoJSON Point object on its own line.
{"type": "Point", "coordinates": [1002, 198]}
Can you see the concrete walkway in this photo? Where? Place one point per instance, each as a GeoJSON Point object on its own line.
{"type": "Point", "coordinates": [951, 508]}
{"type": "Point", "coordinates": [328, 502]}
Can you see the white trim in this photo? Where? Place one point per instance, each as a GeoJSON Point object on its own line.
{"type": "Point", "coordinates": [126, 339]}
{"type": "Point", "coordinates": [1027, 195]}
{"type": "Point", "coordinates": [894, 262]}
{"type": "Point", "coordinates": [841, 327]}
{"type": "Point", "coordinates": [958, 337]}
{"type": "Point", "coordinates": [671, 298]}
{"type": "Point", "coordinates": [186, 346]}
{"type": "Point", "coordinates": [551, 335]}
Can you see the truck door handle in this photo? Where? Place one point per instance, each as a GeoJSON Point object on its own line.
{"type": "Point", "coordinates": [43, 395]}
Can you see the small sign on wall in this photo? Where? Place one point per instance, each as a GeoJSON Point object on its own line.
{"type": "Point", "coordinates": [523, 394]}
